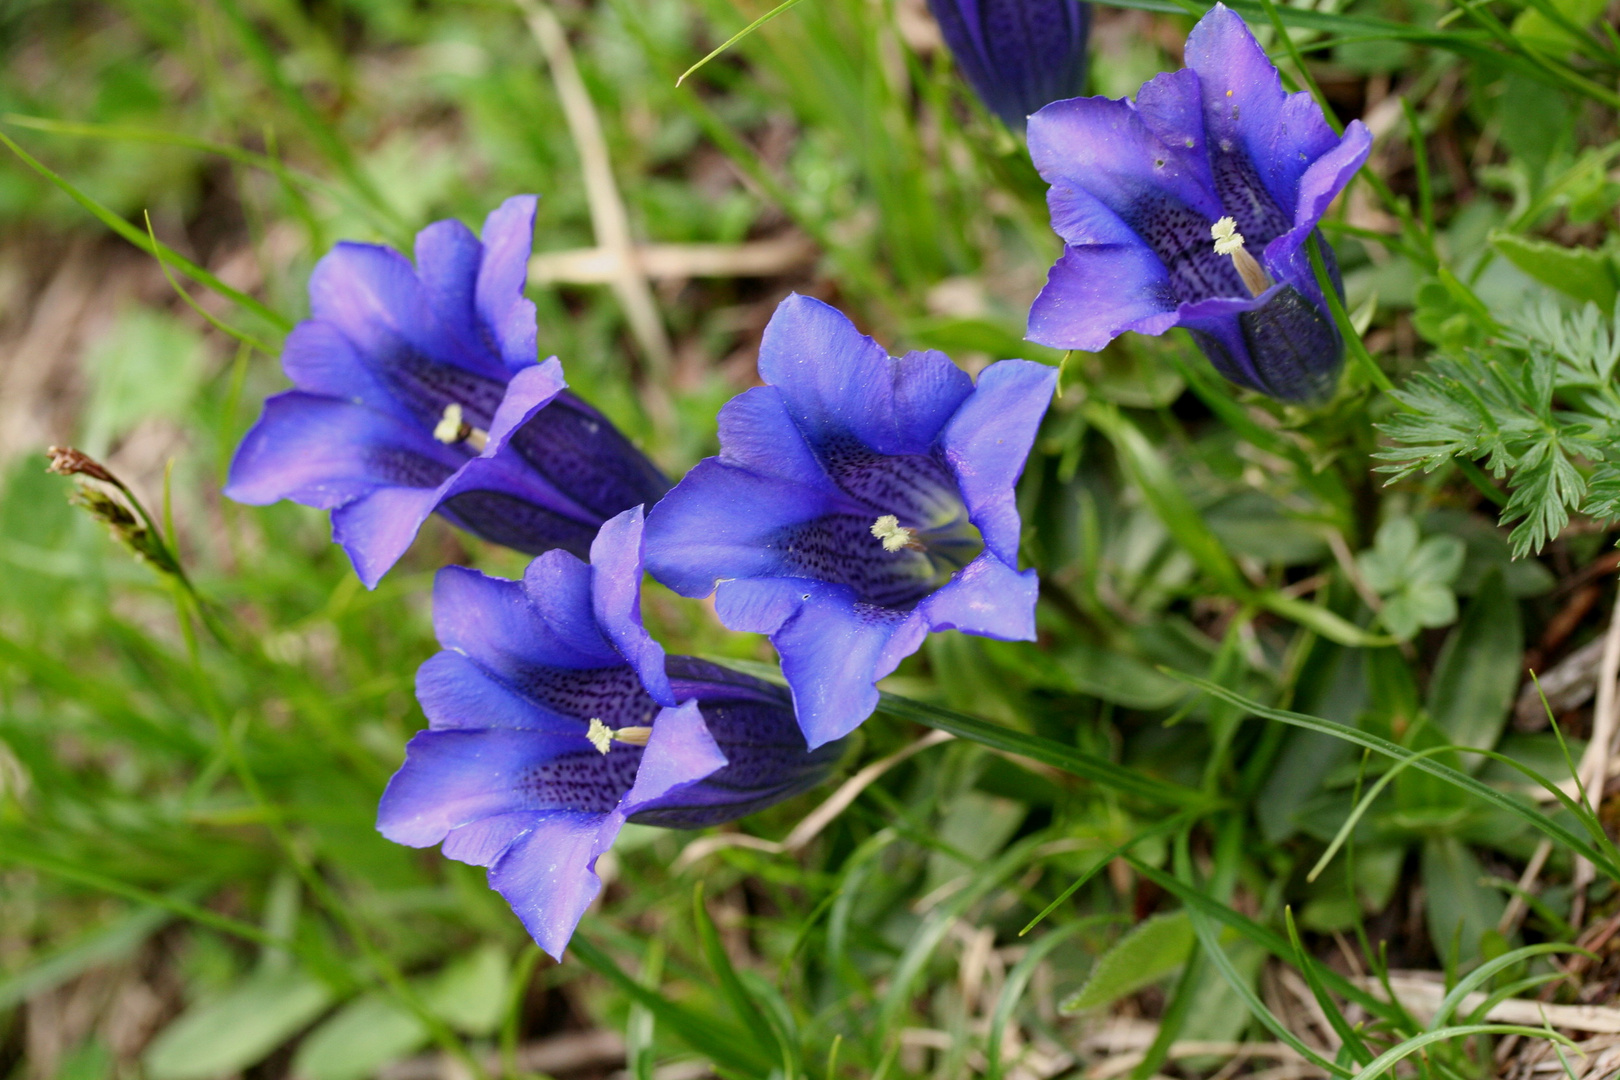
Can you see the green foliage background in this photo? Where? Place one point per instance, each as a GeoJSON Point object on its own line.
{"type": "Point", "coordinates": [1265, 632]}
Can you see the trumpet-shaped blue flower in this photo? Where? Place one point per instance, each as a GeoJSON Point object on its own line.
{"type": "Point", "coordinates": [554, 718]}
{"type": "Point", "coordinates": [858, 503]}
{"type": "Point", "coordinates": [1191, 207]}
{"type": "Point", "coordinates": [1017, 54]}
{"type": "Point", "coordinates": [417, 390]}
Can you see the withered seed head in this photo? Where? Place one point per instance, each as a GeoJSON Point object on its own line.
{"type": "Point", "coordinates": [66, 461]}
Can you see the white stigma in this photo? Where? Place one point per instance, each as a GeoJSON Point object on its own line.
{"type": "Point", "coordinates": [1227, 238]}
{"type": "Point", "coordinates": [600, 734]}
{"type": "Point", "coordinates": [1228, 241]}
{"type": "Point", "coordinates": [452, 429]}
{"type": "Point", "coordinates": [893, 534]}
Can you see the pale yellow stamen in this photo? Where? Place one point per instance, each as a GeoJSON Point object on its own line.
{"type": "Point", "coordinates": [1228, 241]}
{"type": "Point", "coordinates": [893, 534]}
{"type": "Point", "coordinates": [452, 429]}
{"type": "Point", "coordinates": [603, 737]}
{"type": "Point", "coordinates": [1227, 238]}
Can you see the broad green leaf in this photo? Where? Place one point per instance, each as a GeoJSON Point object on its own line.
{"type": "Point", "coordinates": [363, 1036]}
{"type": "Point", "coordinates": [1536, 29]}
{"type": "Point", "coordinates": [1148, 470]}
{"type": "Point", "coordinates": [470, 994]}
{"type": "Point", "coordinates": [1121, 679]}
{"type": "Point", "coordinates": [1149, 952]}
{"type": "Point", "coordinates": [148, 365]}
{"type": "Point", "coordinates": [977, 825]}
{"type": "Point", "coordinates": [1476, 677]}
{"type": "Point", "coordinates": [1460, 910]}
{"type": "Point", "coordinates": [229, 1034]}
{"type": "Point", "coordinates": [1584, 273]}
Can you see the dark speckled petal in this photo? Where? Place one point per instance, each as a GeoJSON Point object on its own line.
{"type": "Point", "coordinates": [1018, 55]}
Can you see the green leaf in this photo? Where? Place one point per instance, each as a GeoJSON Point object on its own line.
{"type": "Point", "coordinates": [471, 992]}
{"type": "Point", "coordinates": [1477, 675]}
{"type": "Point", "coordinates": [1460, 910]}
{"type": "Point", "coordinates": [239, 1029]}
{"type": "Point", "coordinates": [1584, 273]}
{"type": "Point", "coordinates": [361, 1038]}
{"type": "Point", "coordinates": [149, 365]}
{"type": "Point", "coordinates": [1148, 471]}
{"type": "Point", "coordinates": [1147, 953]}
{"type": "Point", "coordinates": [1115, 677]}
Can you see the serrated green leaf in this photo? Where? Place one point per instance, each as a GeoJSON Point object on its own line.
{"type": "Point", "coordinates": [1147, 953]}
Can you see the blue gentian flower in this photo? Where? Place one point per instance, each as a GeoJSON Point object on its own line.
{"type": "Point", "coordinates": [417, 391]}
{"type": "Point", "coordinates": [1018, 55]}
{"type": "Point", "coordinates": [1191, 207]}
{"type": "Point", "coordinates": [554, 718]}
{"type": "Point", "coordinates": [858, 503]}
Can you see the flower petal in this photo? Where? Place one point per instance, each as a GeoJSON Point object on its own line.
{"type": "Point", "coordinates": [529, 391]}
{"type": "Point", "coordinates": [481, 842]}
{"type": "Point", "coordinates": [987, 597]}
{"type": "Point", "coordinates": [548, 874]}
{"type": "Point", "coordinates": [988, 441]}
{"type": "Point", "coordinates": [1105, 148]}
{"type": "Point", "coordinates": [502, 309]}
{"type": "Point", "coordinates": [582, 456]}
{"type": "Point", "coordinates": [372, 295]}
{"type": "Point", "coordinates": [833, 649]}
{"type": "Point", "coordinates": [447, 258]}
{"type": "Point", "coordinates": [679, 753]}
{"type": "Point", "coordinates": [839, 384]}
{"type": "Point", "coordinates": [453, 777]}
{"type": "Point", "coordinates": [723, 522]}
{"type": "Point", "coordinates": [376, 529]}
{"type": "Point", "coordinates": [1096, 292]}
{"type": "Point", "coordinates": [616, 599]}
{"type": "Point", "coordinates": [1251, 123]}
{"type": "Point", "coordinates": [456, 692]}
{"type": "Point", "coordinates": [323, 453]}
{"type": "Point", "coordinates": [510, 627]}
{"type": "Point", "coordinates": [321, 361]}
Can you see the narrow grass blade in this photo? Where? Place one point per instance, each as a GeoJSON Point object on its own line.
{"type": "Point", "coordinates": [1546, 825]}
{"type": "Point", "coordinates": [1217, 955]}
{"type": "Point", "coordinates": [724, 1044]}
{"type": "Point", "coordinates": [134, 236]}
{"type": "Point", "coordinates": [731, 987]}
{"type": "Point", "coordinates": [1049, 752]}
{"type": "Point", "coordinates": [1279, 947]}
{"type": "Point", "coordinates": [738, 36]}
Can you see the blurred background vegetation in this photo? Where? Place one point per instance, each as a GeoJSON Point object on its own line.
{"type": "Point", "coordinates": [190, 882]}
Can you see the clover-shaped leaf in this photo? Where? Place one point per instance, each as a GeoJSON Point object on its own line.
{"type": "Point", "coordinates": [1413, 575]}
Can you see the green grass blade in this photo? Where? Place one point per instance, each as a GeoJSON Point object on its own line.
{"type": "Point", "coordinates": [738, 36]}
{"type": "Point", "coordinates": [1217, 955]}
{"type": "Point", "coordinates": [724, 1043]}
{"type": "Point", "coordinates": [1047, 751]}
{"type": "Point", "coordinates": [134, 236]}
{"type": "Point", "coordinates": [731, 987]}
{"type": "Point", "coordinates": [1544, 824]}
